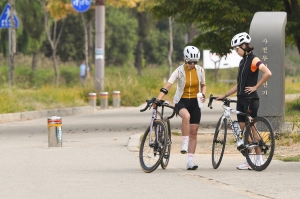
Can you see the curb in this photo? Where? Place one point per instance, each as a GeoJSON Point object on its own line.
{"type": "Point", "coordinates": [30, 115]}
{"type": "Point", "coordinates": [11, 117]}
{"type": "Point", "coordinates": [133, 143]}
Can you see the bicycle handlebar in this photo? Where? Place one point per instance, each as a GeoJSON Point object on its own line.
{"type": "Point", "coordinates": [149, 102]}
{"type": "Point", "coordinates": [226, 101]}
{"type": "Point", "coordinates": [158, 103]}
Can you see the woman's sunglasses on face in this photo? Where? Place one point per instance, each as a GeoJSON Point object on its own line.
{"type": "Point", "coordinates": [191, 62]}
{"type": "Point", "coordinates": [236, 48]}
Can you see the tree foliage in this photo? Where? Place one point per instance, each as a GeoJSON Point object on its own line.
{"type": "Point", "coordinates": [121, 30]}
{"type": "Point", "coordinates": [123, 3]}
{"type": "Point", "coordinates": [33, 23]}
{"type": "Point", "coordinates": [59, 9]}
{"type": "Point", "coordinates": [220, 20]}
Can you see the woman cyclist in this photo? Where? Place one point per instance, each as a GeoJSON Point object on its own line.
{"type": "Point", "coordinates": [191, 80]}
{"type": "Point", "coordinates": [247, 82]}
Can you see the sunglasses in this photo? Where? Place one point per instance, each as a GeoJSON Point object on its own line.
{"type": "Point", "coordinates": [191, 62]}
{"type": "Point", "coordinates": [236, 48]}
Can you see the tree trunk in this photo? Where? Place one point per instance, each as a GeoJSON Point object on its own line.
{"type": "Point", "coordinates": [55, 67]}
{"type": "Point", "coordinates": [217, 67]}
{"type": "Point", "coordinates": [190, 34]}
{"type": "Point", "coordinates": [292, 7]}
{"type": "Point", "coordinates": [171, 46]}
{"type": "Point", "coordinates": [52, 38]}
{"type": "Point", "coordinates": [139, 57]}
{"type": "Point", "coordinates": [35, 57]}
{"type": "Point", "coordinates": [142, 31]}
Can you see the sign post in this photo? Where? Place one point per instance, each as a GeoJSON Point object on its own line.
{"type": "Point", "coordinates": [5, 22]}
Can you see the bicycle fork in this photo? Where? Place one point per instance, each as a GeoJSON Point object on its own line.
{"type": "Point", "coordinates": [156, 143]}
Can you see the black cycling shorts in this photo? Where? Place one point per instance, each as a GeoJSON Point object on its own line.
{"type": "Point", "coordinates": [192, 107]}
{"type": "Point", "coordinates": [245, 105]}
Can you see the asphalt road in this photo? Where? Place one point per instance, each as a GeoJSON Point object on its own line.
{"type": "Point", "coordinates": [98, 160]}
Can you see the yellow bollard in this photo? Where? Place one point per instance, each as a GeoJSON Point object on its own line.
{"type": "Point", "coordinates": [116, 99]}
{"type": "Point", "coordinates": [54, 131]}
{"type": "Point", "coordinates": [104, 100]}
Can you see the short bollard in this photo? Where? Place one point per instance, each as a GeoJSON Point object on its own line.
{"type": "Point", "coordinates": [104, 100]}
{"type": "Point", "coordinates": [54, 131]}
{"type": "Point", "coordinates": [116, 99]}
{"type": "Point", "coordinates": [92, 99]}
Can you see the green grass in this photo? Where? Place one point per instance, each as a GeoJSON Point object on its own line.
{"type": "Point", "coordinates": [20, 100]}
{"type": "Point", "coordinates": [288, 139]}
{"type": "Point", "coordinates": [292, 109]}
{"type": "Point", "coordinates": [176, 133]}
{"type": "Point", "coordinates": [292, 84]}
{"type": "Point", "coordinates": [295, 158]}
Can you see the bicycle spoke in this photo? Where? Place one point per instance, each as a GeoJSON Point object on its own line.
{"type": "Point", "coordinates": [261, 144]}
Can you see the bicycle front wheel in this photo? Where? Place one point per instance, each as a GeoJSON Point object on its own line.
{"type": "Point", "coordinates": [166, 156]}
{"type": "Point", "coordinates": [152, 149]}
{"type": "Point", "coordinates": [219, 142]}
{"type": "Point", "coordinates": [260, 144]}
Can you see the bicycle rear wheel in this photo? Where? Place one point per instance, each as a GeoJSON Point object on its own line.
{"type": "Point", "coordinates": [261, 145]}
{"type": "Point", "coordinates": [219, 142]}
{"type": "Point", "coordinates": [151, 151]}
{"type": "Point", "coordinates": [166, 156]}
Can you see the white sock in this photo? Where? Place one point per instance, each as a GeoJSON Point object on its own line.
{"type": "Point", "coordinates": [251, 158]}
{"type": "Point", "coordinates": [260, 157]}
{"type": "Point", "coordinates": [190, 156]}
{"type": "Point", "coordinates": [185, 139]}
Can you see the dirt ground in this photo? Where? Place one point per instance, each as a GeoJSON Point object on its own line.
{"type": "Point", "coordinates": [204, 146]}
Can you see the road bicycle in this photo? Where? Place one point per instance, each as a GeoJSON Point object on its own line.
{"type": "Point", "coordinates": [155, 146]}
{"type": "Point", "coordinates": [256, 141]}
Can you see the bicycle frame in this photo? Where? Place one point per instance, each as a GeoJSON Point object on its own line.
{"type": "Point", "coordinates": [249, 138]}
{"type": "Point", "coordinates": [161, 103]}
{"type": "Point", "coordinates": [226, 114]}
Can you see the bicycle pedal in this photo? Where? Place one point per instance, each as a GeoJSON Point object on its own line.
{"type": "Point", "coordinates": [241, 147]}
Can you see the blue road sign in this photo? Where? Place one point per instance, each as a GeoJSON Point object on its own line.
{"type": "Point", "coordinates": [5, 18]}
{"type": "Point", "coordinates": [81, 5]}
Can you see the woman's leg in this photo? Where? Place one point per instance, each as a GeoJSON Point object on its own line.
{"type": "Point", "coordinates": [193, 138]}
{"type": "Point", "coordinates": [185, 125]}
{"type": "Point", "coordinates": [185, 129]}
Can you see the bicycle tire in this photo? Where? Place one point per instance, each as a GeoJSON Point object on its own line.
{"type": "Point", "coordinates": [219, 142]}
{"type": "Point", "coordinates": [150, 155]}
{"type": "Point", "coordinates": [260, 152]}
{"type": "Point", "coordinates": [166, 156]}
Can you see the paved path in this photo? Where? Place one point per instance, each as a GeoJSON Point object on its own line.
{"type": "Point", "coordinates": [96, 162]}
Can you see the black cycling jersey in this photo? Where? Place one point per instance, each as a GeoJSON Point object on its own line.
{"type": "Point", "coordinates": [246, 77]}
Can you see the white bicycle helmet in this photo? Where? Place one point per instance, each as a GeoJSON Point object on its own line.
{"type": "Point", "coordinates": [240, 38]}
{"type": "Point", "coordinates": [191, 53]}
